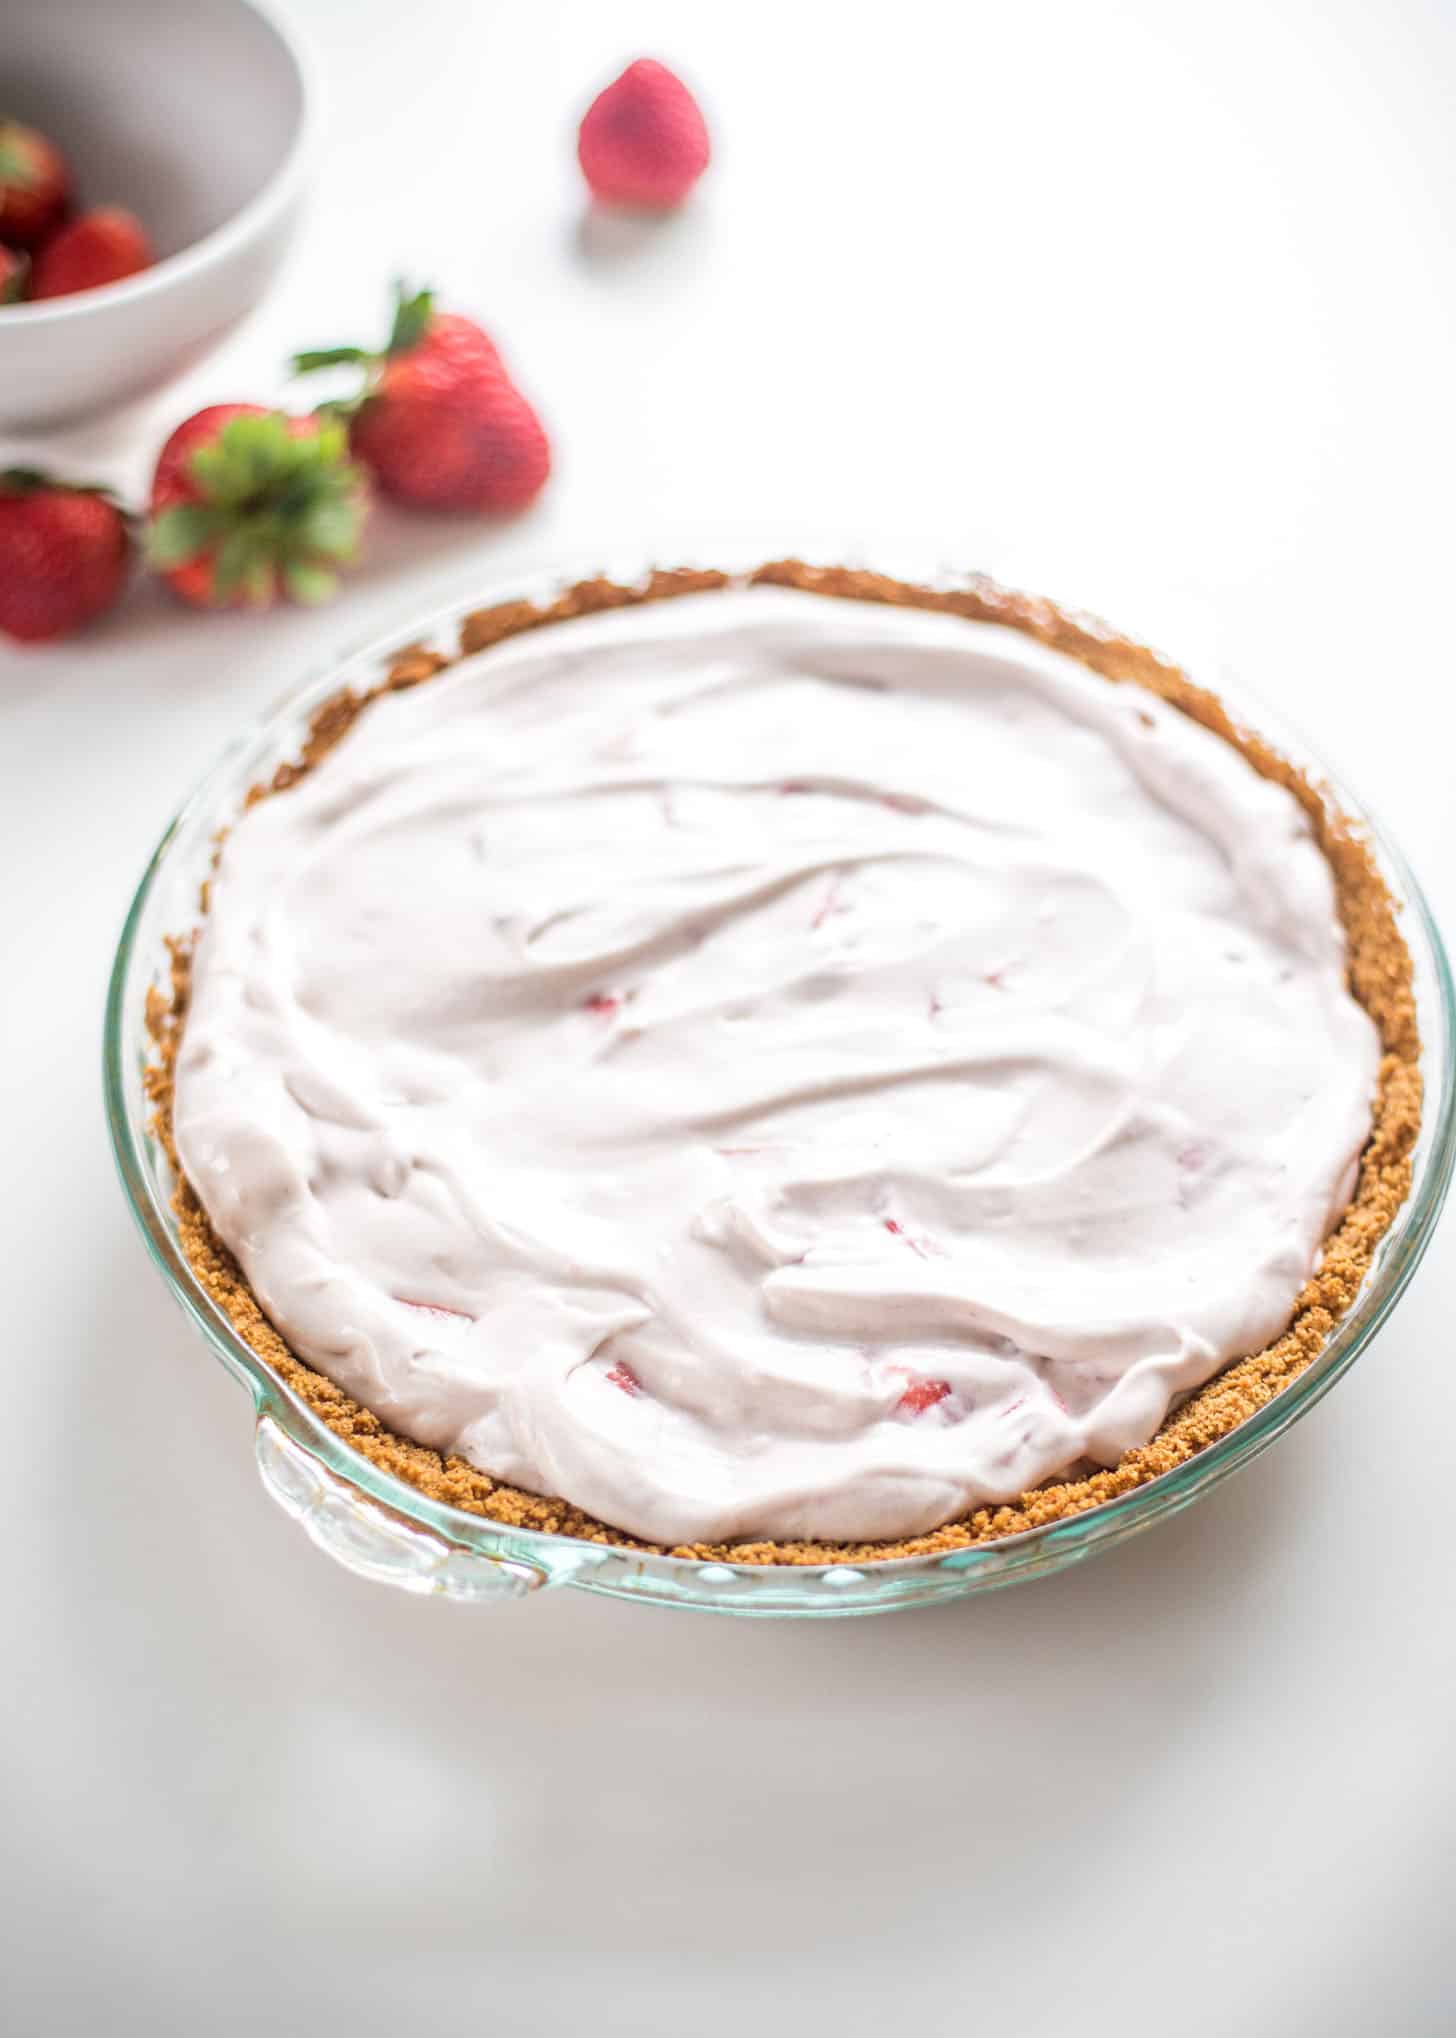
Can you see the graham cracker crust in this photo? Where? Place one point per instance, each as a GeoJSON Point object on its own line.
{"type": "Point", "coordinates": [1380, 974]}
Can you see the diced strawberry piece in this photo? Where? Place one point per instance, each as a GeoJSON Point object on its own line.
{"type": "Point", "coordinates": [436, 1309]}
{"type": "Point", "coordinates": [923, 1394]}
{"type": "Point", "coordinates": [621, 1375]}
{"type": "Point", "coordinates": [831, 901]}
{"type": "Point", "coordinates": [925, 1248]}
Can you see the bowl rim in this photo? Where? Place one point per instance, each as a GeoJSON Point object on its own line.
{"type": "Point", "coordinates": [272, 198]}
{"type": "Point", "coordinates": [561, 1558]}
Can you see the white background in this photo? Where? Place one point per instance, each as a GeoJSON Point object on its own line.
{"type": "Point", "coordinates": [1153, 306]}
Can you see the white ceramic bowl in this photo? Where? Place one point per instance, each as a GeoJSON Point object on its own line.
{"type": "Point", "coordinates": [198, 115]}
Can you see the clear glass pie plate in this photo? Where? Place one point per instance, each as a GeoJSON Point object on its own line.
{"type": "Point", "coordinates": [385, 1529]}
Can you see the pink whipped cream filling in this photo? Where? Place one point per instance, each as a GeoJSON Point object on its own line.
{"type": "Point", "coordinates": [764, 1065]}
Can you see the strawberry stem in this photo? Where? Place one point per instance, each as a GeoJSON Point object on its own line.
{"type": "Point", "coordinates": [332, 357]}
{"type": "Point", "coordinates": [413, 310]}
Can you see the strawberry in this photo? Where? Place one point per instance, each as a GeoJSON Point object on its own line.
{"type": "Point", "coordinates": [14, 275]}
{"type": "Point", "coordinates": [35, 186]}
{"type": "Point", "coordinates": [643, 141]}
{"type": "Point", "coordinates": [100, 247]}
{"type": "Point", "coordinates": [248, 504]}
{"type": "Point", "coordinates": [64, 553]}
{"type": "Point", "coordinates": [439, 420]}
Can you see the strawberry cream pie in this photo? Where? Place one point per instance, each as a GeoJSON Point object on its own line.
{"type": "Point", "coordinates": [778, 1073]}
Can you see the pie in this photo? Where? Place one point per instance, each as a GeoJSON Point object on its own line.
{"type": "Point", "coordinates": [796, 1067]}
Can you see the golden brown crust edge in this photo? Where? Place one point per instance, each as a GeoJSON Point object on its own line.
{"type": "Point", "coordinates": [1380, 977]}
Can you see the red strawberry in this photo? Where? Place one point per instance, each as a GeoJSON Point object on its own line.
{"type": "Point", "coordinates": [63, 555]}
{"type": "Point", "coordinates": [439, 420]}
{"type": "Point", "coordinates": [35, 186]}
{"type": "Point", "coordinates": [14, 275]}
{"type": "Point", "coordinates": [643, 141]}
{"type": "Point", "coordinates": [104, 246]}
{"type": "Point", "coordinates": [249, 504]}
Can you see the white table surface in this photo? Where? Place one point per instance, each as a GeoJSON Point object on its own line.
{"type": "Point", "coordinates": [1153, 306]}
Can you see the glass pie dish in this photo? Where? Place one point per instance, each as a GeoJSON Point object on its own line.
{"type": "Point", "coordinates": [384, 1528]}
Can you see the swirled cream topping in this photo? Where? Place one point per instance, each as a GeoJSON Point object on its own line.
{"type": "Point", "coordinates": [766, 1065]}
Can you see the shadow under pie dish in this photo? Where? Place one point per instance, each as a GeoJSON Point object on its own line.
{"type": "Point", "coordinates": [893, 1327]}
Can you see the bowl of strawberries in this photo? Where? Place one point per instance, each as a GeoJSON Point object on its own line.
{"type": "Point", "coordinates": [152, 162]}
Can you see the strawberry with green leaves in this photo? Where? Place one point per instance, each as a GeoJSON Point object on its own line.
{"type": "Point", "coordinates": [249, 505]}
{"type": "Point", "coordinates": [438, 420]}
{"type": "Point", "coordinates": [64, 555]}
{"type": "Point", "coordinates": [35, 186]}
